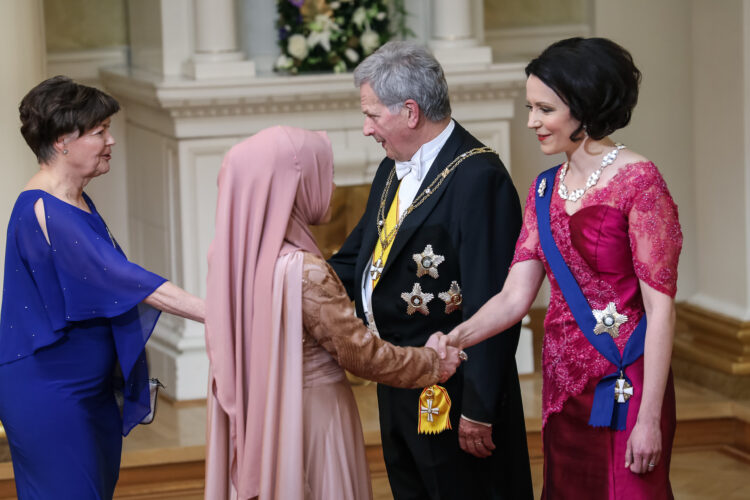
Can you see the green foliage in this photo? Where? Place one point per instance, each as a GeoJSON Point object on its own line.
{"type": "Point", "coordinates": [329, 35]}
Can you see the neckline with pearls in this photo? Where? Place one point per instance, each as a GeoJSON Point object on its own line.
{"type": "Point", "coordinates": [576, 195]}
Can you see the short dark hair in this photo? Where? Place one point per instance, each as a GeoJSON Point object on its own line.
{"type": "Point", "coordinates": [595, 77]}
{"type": "Point", "coordinates": [59, 106]}
{"type": "Point", "coordinates": [401, 70]}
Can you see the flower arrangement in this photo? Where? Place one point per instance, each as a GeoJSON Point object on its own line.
{"type": "Point", "coordinates": [327, 35]}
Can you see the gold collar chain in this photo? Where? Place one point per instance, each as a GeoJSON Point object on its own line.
{"type": "Point", "coordinates": [386, 240]}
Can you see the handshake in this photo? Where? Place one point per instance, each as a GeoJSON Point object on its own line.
{"type": "Point", "coordinates": [449, 353]}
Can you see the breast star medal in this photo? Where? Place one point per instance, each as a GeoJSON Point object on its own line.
{"type": "Point", "coordinates": [427, 262]}
{"type": "Point", "coordinates": [434, 410]}
{"type": "Point", "coordinates": [452, 298]}
{"type": "Point", "coordinates": [609, 320]}
{"type": "Point", "coordinates": [417, 300]}
{"type": "Point", "coordinates": [623, 390]}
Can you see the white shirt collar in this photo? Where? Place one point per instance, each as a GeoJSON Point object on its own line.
{"type": "Point", "coordinates": [422, 160]}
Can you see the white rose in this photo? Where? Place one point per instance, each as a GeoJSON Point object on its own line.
{"type": "Point", "coordinates": [369, 41]}
{"type": "Point", "coordinates": [380, 16]}
{"type": "Point", "coordinates": [340, 67]}
{"type": "Point", "coordinates": [297, 46]}
{"type": "Point", "coordinates": [284, 62]}
{"type": "Point", "coordinates": [359, 17]}
{"type": "Point", "coordinates": [352, 55]}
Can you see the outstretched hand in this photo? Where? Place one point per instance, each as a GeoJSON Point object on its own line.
{"type": "Point", "coordinates": [444, 343]}
{"type": "Point", "coordinates": [449, 359]}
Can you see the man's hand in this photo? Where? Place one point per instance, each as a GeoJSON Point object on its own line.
{"type": "Point", "coordinates": [449, 361]}
{"type": "Point", "coordinates": [475, 439]}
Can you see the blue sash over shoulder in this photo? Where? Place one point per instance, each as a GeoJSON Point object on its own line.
{"type": "Point", "coordinates": [612, 388]}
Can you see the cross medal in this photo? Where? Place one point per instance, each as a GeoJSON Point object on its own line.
{"type": "Point", "coordinates": [429, 410]}
{"type": "Point", "coordinates": [376, 269]}
{"type": "Point", "coordinates": [623, 390]}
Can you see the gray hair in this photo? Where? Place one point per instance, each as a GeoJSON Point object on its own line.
{"type": "Point", "coordinates": [398, 71]}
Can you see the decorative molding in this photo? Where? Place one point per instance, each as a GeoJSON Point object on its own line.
{"type": "Point", "coordinates": [185, 99]}
{"type": "Point", "coordinates": [720, 306]}
{"type": "Point", "coordinates": [84, 65]}
{"type": "Point", "coordinates": [712, 350]}
{"type": "Point", "coordinates": [525, 43]}
{"type": "Point", "coordinates": [713, 339]}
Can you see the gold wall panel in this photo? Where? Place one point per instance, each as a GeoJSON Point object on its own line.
{"type": "Point", "coordinates": [525, 13]}
{"type": "Point", "coordinates": [348, 206]}
{"type": "Point", "coordinates": [84, 24]}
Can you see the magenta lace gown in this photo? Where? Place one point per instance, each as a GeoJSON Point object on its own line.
{"type": "Point", "coordinates": [625, 231]}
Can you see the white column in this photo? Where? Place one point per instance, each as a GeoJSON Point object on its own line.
{"type": "Point", "coordinates": [22, 57]}
{"type": "Point", "coordinates": [454, 35]}
{"type": "Point", "coordinates": [216, 51]}
{"type": "Point", "coordinates": [258, 36]}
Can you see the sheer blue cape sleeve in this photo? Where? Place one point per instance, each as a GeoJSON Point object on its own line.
{"type": "Point", "coordinates": [79, 275]}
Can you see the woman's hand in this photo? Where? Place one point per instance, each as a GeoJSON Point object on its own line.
{"type": "Point", "coordinates": [644, 447]}
{"type": "Point", "coordinates": [450, 358]}
{"type": "Point", "coordinates": [446, 342]}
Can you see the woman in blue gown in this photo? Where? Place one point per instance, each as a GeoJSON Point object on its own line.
{"type": "Point", "coordinates": [76, 314]}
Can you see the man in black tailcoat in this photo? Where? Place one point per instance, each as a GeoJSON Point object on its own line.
{"type": "Point", "coordinates": [455, 217]}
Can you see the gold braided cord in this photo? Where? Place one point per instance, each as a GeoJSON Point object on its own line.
{"type": "Point", "coordinates": [386, 240]}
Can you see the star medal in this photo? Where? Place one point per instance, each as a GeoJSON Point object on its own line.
{"type": "Point", "coordinates": [417, 300]}
{"type": "Point", "coordinates": [623, 390]}
{"type": "Point", "coordinates": [427, 262]}
{"type": "Point", "coordinates": [452, 298]}
{"type": "Point", "coordinates": [434, 410]}
{"type": "Point", "coordinates": [609, 320]}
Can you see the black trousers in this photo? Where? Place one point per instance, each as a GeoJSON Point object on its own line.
{"type": "Point", "coordinates": [433, 466]}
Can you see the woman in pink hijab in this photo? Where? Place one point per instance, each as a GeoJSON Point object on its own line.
{"type": "Point", "coordinates": [282, 420]}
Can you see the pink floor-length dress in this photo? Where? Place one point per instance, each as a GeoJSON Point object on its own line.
{"type": "Point", "coordinates": [625, 231]}
{"type": "Point", "coordinates": [282, 423]}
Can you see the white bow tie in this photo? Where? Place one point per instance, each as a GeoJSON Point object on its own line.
{"type": "Point", "coordinates": [404, 168]}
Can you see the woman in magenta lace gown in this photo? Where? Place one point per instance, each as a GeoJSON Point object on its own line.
{"type": "Point", "coordinates": [609, 213]}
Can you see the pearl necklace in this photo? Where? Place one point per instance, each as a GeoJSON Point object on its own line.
{"type": "Point", "coordinates": [608, 159]}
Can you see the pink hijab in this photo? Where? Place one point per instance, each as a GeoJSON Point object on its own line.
{"type": "Point", "coordinates": [271, 186]}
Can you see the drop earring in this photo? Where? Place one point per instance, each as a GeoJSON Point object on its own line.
{"type": "Point", "coordinates": [65, 151]}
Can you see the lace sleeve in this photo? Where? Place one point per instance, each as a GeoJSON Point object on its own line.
{"type": "Point", "coordinates": [527, 246]}
{"type": "Point", "coordinates": [329, 318]}
{"type": "Point", "coordinates": [654, 230]}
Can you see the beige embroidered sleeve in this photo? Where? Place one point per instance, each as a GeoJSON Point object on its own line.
{"type": "Point", "coordinates": [329, 319]}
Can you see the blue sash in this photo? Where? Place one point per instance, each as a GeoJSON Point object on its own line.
{"type": "Point", "coordinates": [604, 411]}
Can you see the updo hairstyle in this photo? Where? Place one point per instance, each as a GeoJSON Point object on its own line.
{"type": "Point", "coordinates": [595, 77]}
{"type": "Point", "coordinates": [60, 106]}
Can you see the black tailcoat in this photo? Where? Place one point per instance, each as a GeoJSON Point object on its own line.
{"type": "Point", "coordinates": [473, 221]}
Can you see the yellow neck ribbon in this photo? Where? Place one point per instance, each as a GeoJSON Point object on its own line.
{"type": "Point", "coordinates": [380, 255]}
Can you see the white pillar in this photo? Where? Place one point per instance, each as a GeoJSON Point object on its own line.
{"type": "Point", "coordinates": [216, 53]}
{"type": "Point", "coordinates": [452, 23]}
{"type": "Point", "coordinates": [258, 35]}
{"type": "Point", "coordinates": [455, 39]}
{"type": "Point", "coordinates": [22, 56]}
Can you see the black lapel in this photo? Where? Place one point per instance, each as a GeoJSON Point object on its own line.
{"type": "Point", "coordinates": [414, 220]}
{"type": "Point", "coordinates": [370, 233]}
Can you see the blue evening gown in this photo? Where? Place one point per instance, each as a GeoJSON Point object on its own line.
{"type": "Point", "coordinates": [72, 309]}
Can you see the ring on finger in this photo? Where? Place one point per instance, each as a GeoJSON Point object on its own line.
{"type": "Point", "coordinates": [463, 356]}
{"type": "Point", "coordinates": [478, 442]}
